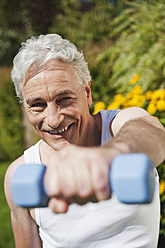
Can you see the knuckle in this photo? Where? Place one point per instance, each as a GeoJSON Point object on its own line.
{"type": "Point", "coordinates": [84, 190]}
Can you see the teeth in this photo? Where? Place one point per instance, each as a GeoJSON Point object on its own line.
{"type": "Point", "coordinates": [52, 132]}
{"type": "Point", "coordinates": [59, 131]}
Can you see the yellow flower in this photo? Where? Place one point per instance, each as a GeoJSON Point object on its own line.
{"type": "Point", "coordinates": [137, 90]}
{"type": "Point", "coordinates": [127, 104]}
{"type": "Point", "coordinates": [135, 101]}
{"type": "Point", "coordinates": [130, 95]}
{"type": "Point", "coordinates": [120, 99]}
{"type": "Point", "coordinates": [148, 95]}
{"type": "Point", "coordinates": [139, 100]}
{"type": "Point", "coordinates": [160, 105]}
{"type": "Point", "coordinates": [113, 105]}
{"type": "Point", "coordinates": [134, 79]}
{"type": "Point", "coordinates": [151, 108]}
{"type": "Point", "coordinates": [162, 187]}
{"type": "Point", "coordinates": [158, 95]}
{"type": "Point", "coordinates": [131, 103]}
{"type": "Point", "coordinates": [98, 106]}
{"type": "Point", "coordinates": [156, 118]}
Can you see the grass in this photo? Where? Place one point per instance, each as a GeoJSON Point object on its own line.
{"type": "Point", "coordinates": [6, 234]}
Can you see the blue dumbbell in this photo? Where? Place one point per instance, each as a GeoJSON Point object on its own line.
{"type": "Point", "coordinates": [131, 180]}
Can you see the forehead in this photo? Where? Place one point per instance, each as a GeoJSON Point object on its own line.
{"type": "Point", "coordinates": [54, 77]}
{"type": "Point", "coordinates": [50, 65]}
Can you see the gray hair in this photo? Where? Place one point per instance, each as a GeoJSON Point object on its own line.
{"type": "Point", "coordinates": [43, 48]}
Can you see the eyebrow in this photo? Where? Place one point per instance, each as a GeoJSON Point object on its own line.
{"type": "Point", "coordinates": [31, 100]}
{"type": "Point", "coordinates": [65, 92]}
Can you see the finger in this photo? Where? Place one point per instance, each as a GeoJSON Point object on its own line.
{"type": "Point", "coordinates": [58, 205]}
{"type": "Point", "coordinates": [82, 179]}
{"type": "Point", "coordinates": [67, 180]}
{"type": "Point", "coordinates": [79, 176]}
{"type": "Point", "coordinates": [100, 180]}
{"type": "Point", "coordinates": [52, 180]}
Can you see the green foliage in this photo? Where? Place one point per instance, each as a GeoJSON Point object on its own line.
{"type": "Point", "coordinates": [161, 171]}
{"type": "Point", "coordinates": [138, 35]}
{"type": "Point", "coordinates": [83, 24]}
{"type": "Point", "coordinates": [11, 131]}
{"type": "Point", "coordinates": [6, 235]}
{"type": "Point", "coordinates": [8, 39]}
{"type": "Point", "coordinates": [19, 20]}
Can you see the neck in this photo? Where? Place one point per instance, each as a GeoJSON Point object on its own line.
{"type": "Point", "coordinates": [92, 137]}
{"type": "Point", "coordinates": [93, 131]}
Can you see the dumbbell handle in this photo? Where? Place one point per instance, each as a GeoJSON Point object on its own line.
{"type": "Point", "coordinates": [131, 180]}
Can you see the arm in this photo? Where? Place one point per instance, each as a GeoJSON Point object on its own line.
{"type": "Point", "coordinates": [84, 172]}
{"type": "Point", "coordinates": [24, 227]}
{"type": "Point", "coordinates": [136, 131]}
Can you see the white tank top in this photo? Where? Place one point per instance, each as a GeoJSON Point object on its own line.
{"type": "Point", "coordinates": [106, 224]}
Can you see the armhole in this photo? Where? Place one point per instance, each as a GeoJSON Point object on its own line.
{"type": "Point", "coordinates": [156, 174]}
{"type": "Point", "coordinates": [37, 216]}
{"type": "Point", "coordinates": [107, 116]}
{"type": "Point", "coordinates": [110, 126]}
{"type": "Point", "coordinates": [32, 154]}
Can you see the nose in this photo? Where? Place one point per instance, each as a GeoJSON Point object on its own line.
{"type": "Point", "coordinates": [53, 116]}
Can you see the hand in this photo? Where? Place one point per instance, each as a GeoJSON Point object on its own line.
{"type": "Point", "coordinates": [78, 175]}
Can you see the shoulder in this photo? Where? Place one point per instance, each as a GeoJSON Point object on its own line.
{"type": "Point", "coordinates": [129, 114]}
{"type": "Point", "coordinates": [12, 167]}
{"type": "Point", "coordinates": [126, 115]}
{"type": "Point", "coordinates": [9, 173]}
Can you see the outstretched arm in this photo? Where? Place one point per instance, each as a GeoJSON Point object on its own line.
{"type": "Point", "coordinates": [84, 172]}
{"type": "Point", "coordinates": [77, 173]}
{"type": "Point", "coordinates": [136, 131]}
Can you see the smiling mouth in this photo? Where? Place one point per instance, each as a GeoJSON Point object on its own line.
{"type": "Point", "coordinates": [60, 131]}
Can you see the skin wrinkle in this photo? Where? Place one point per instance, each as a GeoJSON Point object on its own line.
{"type": "Point", "coordinates": [37, 68]}
{"type": "Point", "coordinates": [48, 86]}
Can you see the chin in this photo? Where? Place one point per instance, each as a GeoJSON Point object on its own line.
{"type": "Point", "coordinates": [59, 145]}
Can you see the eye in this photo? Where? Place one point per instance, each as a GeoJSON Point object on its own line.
{"type": "Point", "coordinates": [38, 106]}
{"type": "Point", "coordinates": [64, 101]}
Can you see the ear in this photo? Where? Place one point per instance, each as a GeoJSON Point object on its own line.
{"type": "Point", "coordinates": [88, 93]}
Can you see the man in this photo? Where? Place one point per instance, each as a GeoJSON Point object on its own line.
{"type": "Point", "coordinates": [53, 81]}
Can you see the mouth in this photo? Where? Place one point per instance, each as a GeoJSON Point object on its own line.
{"type": "Point", "coordinates": [61, 131]}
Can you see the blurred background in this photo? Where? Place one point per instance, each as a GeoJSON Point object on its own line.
{"type": "Point", "coordinates": [124, 45]}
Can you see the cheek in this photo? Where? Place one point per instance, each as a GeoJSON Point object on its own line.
{"type": "Point", "coordinates": [71, 111]}
{"type": "Point", "coordinates": [34, 119]}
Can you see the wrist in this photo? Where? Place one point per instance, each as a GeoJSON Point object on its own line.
{"type": "Point", "coordinates": [120, 146]}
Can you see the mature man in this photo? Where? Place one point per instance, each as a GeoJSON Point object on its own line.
{"type": "Point", "coordinates": [52, 79]}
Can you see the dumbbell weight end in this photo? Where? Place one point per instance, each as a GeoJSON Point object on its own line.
{"type": "Point", "coordinates": [27, 186]}
{"type": "Point", "coordinates": [132, 178]}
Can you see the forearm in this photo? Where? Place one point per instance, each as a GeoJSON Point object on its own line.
{"type": "Point", "coordinates": [138, 135]}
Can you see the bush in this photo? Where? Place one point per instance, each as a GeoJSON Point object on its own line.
{"type": "Point", "coordinates": [6, 234]}
{"type": "Point", "coordinates": [11, 131]}
{"type": "Point", "coordinates": [138, 47]}
{"type": "Point", "coordinates": [9, 40]}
